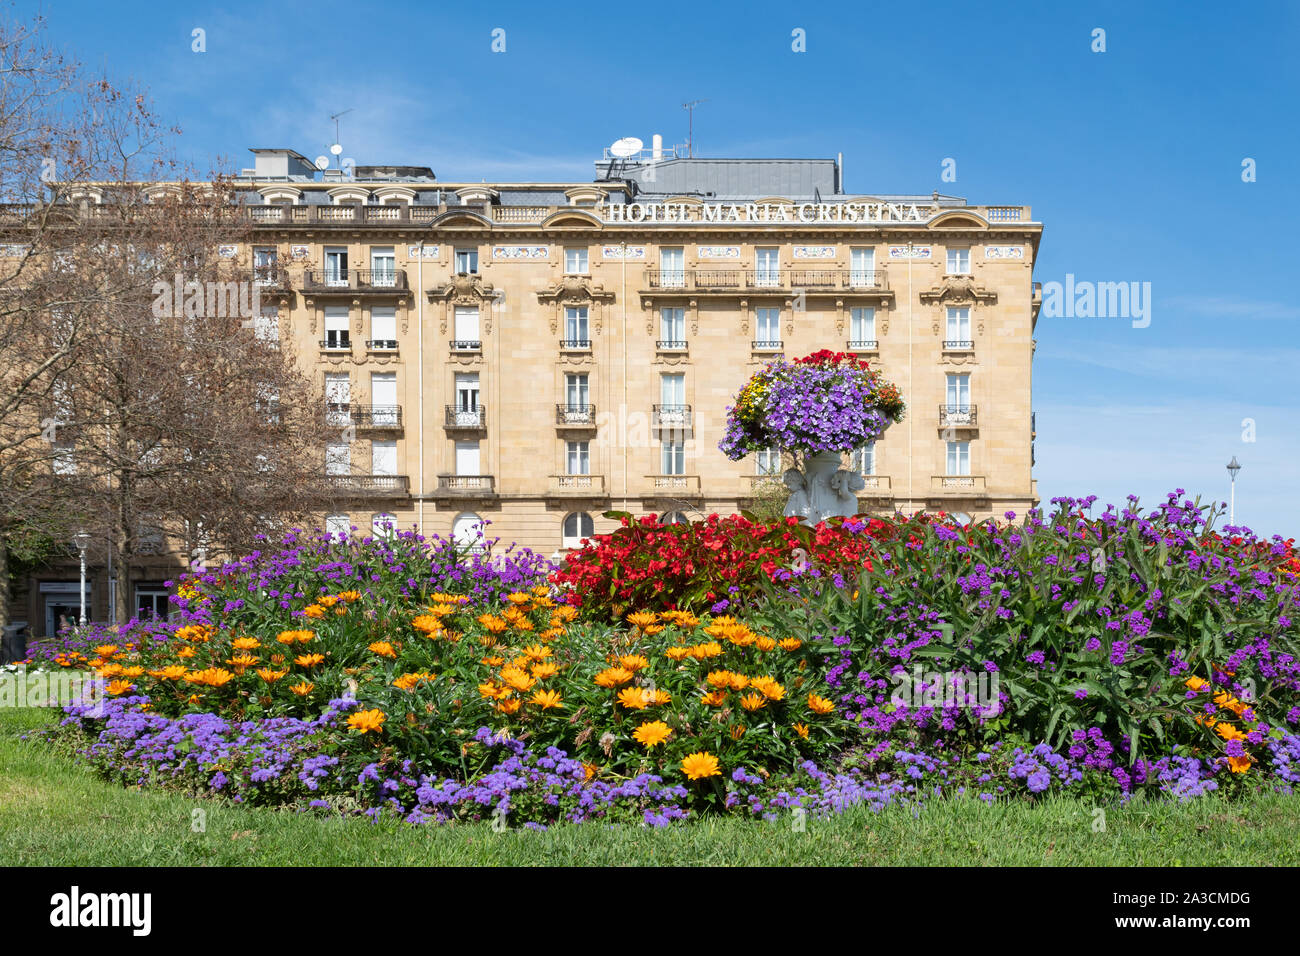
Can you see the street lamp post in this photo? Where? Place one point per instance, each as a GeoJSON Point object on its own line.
{"type": "Point", "coordinates": [82, 541]}
{"type": "Point", "coordinates": [1233, 468]}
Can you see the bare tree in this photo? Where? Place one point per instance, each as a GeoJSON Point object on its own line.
{"type": "Point", "coordinates": [143, 390]}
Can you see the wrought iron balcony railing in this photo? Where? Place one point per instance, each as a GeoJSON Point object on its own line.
{"type": "Point", "coordinates": [381, 345]}
{"type": "Point", "coordinates": [958, 416]}
{"type": "Point", "coordinates": [582, 416]}
{"type": "Point", "coordinates": [576, 345]}
{"type": "Point", "coordinates": [355, 280]}
{"type": "Point", "coordinates": [958, 344]}
{"type": "Point", "coordinates": [466, 416]}
{"type": "Point", "coordinates": [766, 345]}
{"type": "Point", "coordinates": [466, 345]}
{"type": "Point", "coordinates": [863, 345]}
{"type": "Point", "coordinates": [671, 416]}
{"type": "Point", "coordinates": [671, 345]}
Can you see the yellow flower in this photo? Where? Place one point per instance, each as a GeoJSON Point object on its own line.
{"type": "Point", "coordinates": [819, 705]}
{"type": "Point", "coordinates": [302, 688]}
{"type": "Point", "coordinates": [1195, 683]}
{"type": "Point", "coordinates": [652, 733]}
{"type": "Point", "coordinates": [119, 687]}
{"type": "Point", "coordinates": [170, 672]}
{"type": "Point", "coordinates": [245, 643]}
{"type": "Point", "coordinates": [518, 678]}
{"type": "Point", "coordinates": [383, 649]}
{"type": "Point", "coordinates": [308, 660]}
{"type": "Point", "coordinates": [676, 653]}
{"type": "Point", "coordinates": [660, 697]}
{"type": "Point", "coordinates": [768, 687]}
{"type": "Point", "coordinates": [715, 699]}
{"type": "Point", "coordinates": [367, 721]}
{"type": "Point", "coordinates": [642, 618]}
{"type": "Point", "coordinates": [697, 766]}
{"type": "Point", "coordinates": [509, 706]}
{"type": "Point", "coordinates": [269, 675]}
{"type": "Point", "coordinates": [753, 701]}
{"type": "Point", "coordinates": [545, 670]}
{"type": "Point", "coordinates": [634, 698]}
{"type": "Point", "coordinates": [313, 610]}
{"type": "Point", "coordinates": [801, 730]}
{"type": "Point", "coordinates": [546, 699]}
{"type": "Point", "coordinates": [633, 662]}
{"type": "Point", "coordinates": [790, 643]}
{"type": "Point", "coordinates": [613, 676]}
{"type": "Point", "coordinates": [106, 650]}
{"type": "Point", "coordinates": [538, 652]}
{"type": "Point", "coordinates": [327, 600]}
{"type": "Point", "coordinates": [518, 597]}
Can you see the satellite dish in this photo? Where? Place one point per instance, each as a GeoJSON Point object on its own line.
{"type": "Point", "coordinates": [627, 146]}
{"type": "Point", "coordinates": [336, 149]}
{"type": "Point", "coordinates": [322, 162]}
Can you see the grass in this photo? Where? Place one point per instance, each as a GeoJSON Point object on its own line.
{"type": "Point", "coordinates": [56, 812]}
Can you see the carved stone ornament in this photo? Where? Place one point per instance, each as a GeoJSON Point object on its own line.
{"type": "Point", "coordinates": [824, 491]}
{"type": "Point", "coordinates": [958, 290]}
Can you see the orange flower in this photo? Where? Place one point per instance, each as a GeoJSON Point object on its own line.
{"type": "Point", "coordinates": [697, 766]}
{"type": "Point", "coordinates": [633, 662]}
{"type": "Point", "coordinates": [427, 623]}
{"type": "Point", "coordinates": [1239, 764]}
{"type": "Point", "coordinates": [367, 721]}
{"type": "Point", "coordinates": [186, 652]}
{"type": "Point", "coordinates": [820, 705]}
{"type": "Point", "coordinates": [327, 600]}
{"type": "Point", "coordinates": [269, 675]}
{"type": "Point", "coordinates": [613, 676]}
{"type": "Point", "coordinates": [538, 652]}
{"type": "Point", "coordinates": [546, 699]}
{"type": "Point", "coordinates": [170, 672]}
{"type": "Point", "coordinates": [119, 687]}
{"type": "Point", "coordinates": [715, 699]}
{"type": "Point", "coordinates": [753, 701]}
{"type": "Point", "coordinates": [313, 610]}
{"type": "Point", "coordinates": [676, 653]}
{"type": "Point", "coordinates": [518, 597]}
{"type": "Point", "coordinates": [642, 618]}
{"type": "Point", "coordinates": [1195, 683]}
{"type": "Point", "coordinates": [308, 660]}
{"type": "Point", "coordinates": [545, 670]}
{"type": "Point", "coordinates": [383, 649]}
{"type": "Point", "coordinates": [106, 650]}
{"type": "Point", "coordinates": [509, 706]}
{"type": "Point", "coordinates": [302, 688]}
{"type": "Point", "coordinates": [245, 643]}
{"type": "Point", "coordinates": [660, 697]}
{"type": "Point", "coordinates": [768, 687]}
{"type": "Point", "coordinates": [634, 698]}
{"type": "Point", "coordinates": [790, 643]}
{"type": "Point", "coordinates": [349, 596]}
{"type": "Point", "coordinates": [801, 730]}
{"type": "Point", "coordinates": [652, 733]}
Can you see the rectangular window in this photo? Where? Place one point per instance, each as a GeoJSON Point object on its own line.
{"type": "Point", "coordinates": [577, 458]}
{"type": "Point", "coordinates": [673, 458]}
{"type": "Point", "coordinates": [338, 524]}
{"type": "Point", "coordinates": [575, 327]}
{"type": "Point", "coordinates": [65, 460]}
{"type": "Point", "coordinates": [958, 262]}
{"type": "Point", "coordinates": [467, 460]}
{"type": "Point", "coordinates": [862, 327]}
{"type": "Point", "coordinates": [467, 261]}
{"type": "Point", "coordinates": [383, 457]}
{"type": "Point", "coordinates": [467, 392]}
{"type": "Point", "coordinates": [672, 328]}
{"type": "Point", "coordinates": [336, 327]}
{"type": "Point", "coordinates": [672, 267]}
{"type": "Point", "coordinates": [336, 265]}
{"type": "Point", "coordinates": [959, 458]}
{"type": "Point", "coordinates": [672, 389]}
{"type": "Point", "coordinates": [862, 267]}
{"type": "Point", "coordinates": [467, 327]}
{"type": "Point", "coordinates": [575, 262]}
{"type": "Point", "coordinates": [767, 461]}
{"type": "Point", "coordinates": [383, 399]}
{"type": "Point", "coordinates": [266, 327]}
{"type": "Point", "coordinates": [383, 525]}
{"type": "Point", "coordinates": [768, 328]}
{"type": "Point", "coordinates": [383, 327]}
{"type": "Point", "coordinates": [864, 459]}
{"type": "Point", "coordinates": [383, 266]}
{"type": "Point", "coordinates": [338, 458]}
{"type": "Point", "coordinates": [958, 392]}
{"type": "Point", "coordinates": [767, 266]}
{"type": "Point", "coordinates": [265, 264]}
{"type": "Point", "coordinates": [338, 399]}
{"type": "Point", "coordinates": [958, 325]}
{"type": "Point", "coordinates": [577, 392]}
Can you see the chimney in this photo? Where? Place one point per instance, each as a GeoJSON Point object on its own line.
{"type": "Point", "coordinates": [657, 147]}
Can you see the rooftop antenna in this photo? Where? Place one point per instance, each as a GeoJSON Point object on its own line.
{"type": "Point", "coordinates": [336, 149]}
{"type": "Point", "coordinates": [690, 128]}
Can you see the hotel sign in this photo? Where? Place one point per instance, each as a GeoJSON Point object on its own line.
{"type": "Point", "coordinates": [805, 212]}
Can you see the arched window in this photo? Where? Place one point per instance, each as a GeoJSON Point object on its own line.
{"type": "Point", "coordinates": [960, 517]}
{"type": "Point", "coordinates": [383, 525]}
{"type": "Point", "coordinates": [674, 517]}
{"type": "Point", "coordinates": [467, 532]}
{"type": "Point", "coordinates": [336, 525]}
{"type": "Point", "coordinates": [576, 527]}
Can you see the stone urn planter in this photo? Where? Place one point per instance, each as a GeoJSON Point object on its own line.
{"type": "Point", "coordinates": [823, 489]}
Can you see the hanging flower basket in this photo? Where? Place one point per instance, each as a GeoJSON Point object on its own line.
{"type": "Point", "coordinates": [826, 402]}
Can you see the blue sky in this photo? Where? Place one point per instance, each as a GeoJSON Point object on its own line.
{"type": "Point", "coordinates": [1131, 158]}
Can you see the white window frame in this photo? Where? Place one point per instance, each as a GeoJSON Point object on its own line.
{"type": "Point", "coordinates": [958, 324]}
{"type": "Point", "coordinates": [577, 458]}
{"type": "Point", "coordinates": [672, 457]}
{"type": "Point", "coordinates": [672, 324]}
{"type": "Point", "coordinates": [767, 462]}
{"type": "Point", "coordinates": [862, 324]}
{"type": "Point", "coordinates": [582, 526]}
{"type": "Point", "coordinates": [576, 261]}
{"type": "Point", "coordinates": [766, 321]}
{"type": "Point", "coordinates": [864, 459]}
{"type": "Point", "coordinates": [862, 266]}
{"type": "Point", "coordinates": [959, 261]}
{"type": "Point", "coordinates": [577, 325]}
{"type": "Point", "coordinates": [957, 462]}
{"type": "Point", "coordinates": [467, 257]}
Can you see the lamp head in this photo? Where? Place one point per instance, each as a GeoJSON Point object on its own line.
{"type": "Point", "coordinates": [1233, 467]}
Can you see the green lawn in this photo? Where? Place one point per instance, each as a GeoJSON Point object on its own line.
{"type": "Point", "coordinates": [55, 812]}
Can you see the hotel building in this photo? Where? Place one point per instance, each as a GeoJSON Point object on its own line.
{"type": "Point", "coordinates": [534, 354]}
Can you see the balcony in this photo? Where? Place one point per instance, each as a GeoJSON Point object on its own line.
{"type": "Point", "coordinates": [958, 484]}
{"type": "Point", "coordinates": [958, 416]}
{"type": "Point", "coordinates": [863, 345]}
{"type": "Point", "coordinates": [866, 279]}
{"type": "Point", "coordinates": [468, 486]}
{"type": "Point", "coordinates": [376, 417]}
{"type": "Point", "coordinates": [578, 486]}
{"type": "Point", "coordinates": [695, 280]}
{"type": "Point", "coordinates": [339, 343]}
{"type": "Point", "coordinates": [271, 277]}
{"type": "Point", "coordinates": [958, 345]}
{"type": "Point", "coordinates": [369, 486]}
{"type": "Point", "coordinates": [875, 486]}
{"type": "Point", "coordinates": [670, 416]}
{"type": "Point", "coordinates": [381, 345]}
{"type": "Point", "coordinates": [767, 345]}
{"type": "Point", "coordinates": [350, 281]}
{"type": "Point", "coordinates": [467, 346]}
{"type": "Point", "coordinates": [735, 280]}
{"type": "Point", "coordinates": [675, 484]}
{"type": "Point", "coordinates": [575, 416]}
{"type": "Point", "coordinates": [575, 345]}
{"type": "Point", "coordinates": [671, 345]}
{"type": "Point", "coordinates": [466, 417]}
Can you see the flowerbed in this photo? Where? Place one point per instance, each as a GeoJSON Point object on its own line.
{"type": "Point", "coordinates": [1120, 655]}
